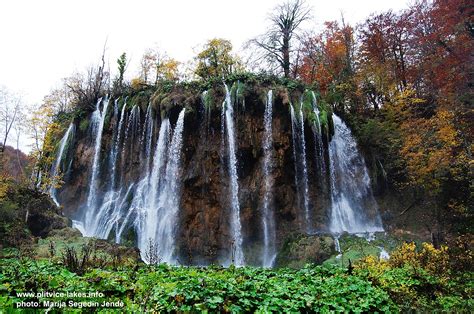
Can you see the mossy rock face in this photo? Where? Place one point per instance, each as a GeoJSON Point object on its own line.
{"type": "Point", "coordinates": [58, 240]}
{"type": "Point", "coordinates": [299, 250]}
{"type": "Point", "coordinates": [44, 216]}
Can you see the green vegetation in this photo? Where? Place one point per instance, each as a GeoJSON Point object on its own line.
{"type": "Point", "coordinates": [167, 288]}
{"type": "Point", "coordinates": [84, 125]}
{"type": "Point", "coordinates": [423, 279]}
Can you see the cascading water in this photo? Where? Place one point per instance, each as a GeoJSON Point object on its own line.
{"type": "Point", "coordinates": [301, 169]}
{"type": "Point", "coordinates": [319, 148]}
{"type": "Point", "coordinates": [56, 169]}
{"type": "Point", "coordinates": [132, 126]}
{"type": "Point", "coordinates": [149, 188]}
{"type": "Point", "coordinates": [169, 200]}
{"type": "Point", "coordinates": [157, 198]}
{"type": "Point", "coordinates": [116, 148]}
{"type": "Point", "coordinates": [316, 111]}
{"type": "Point", "coordinates": [268, 219]}
{"type": "Point", "coordinates": [305, 174]}
{"type": "Point", "coordinates": [108, 213]}
{"type": "Point", "coordinates": [97, 128]}
{"type": "Point", "coordinates": [228, 115]}
{"type": "Point", "coordinates": [384, 255]}
{"type": "Point", "coordinates": [351, 193]}
{"type": "Point", "coordinates": [146, 139]}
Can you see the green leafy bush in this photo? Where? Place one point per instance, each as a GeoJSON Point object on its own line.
{"type": "Point", "coordinates": [166, 288]}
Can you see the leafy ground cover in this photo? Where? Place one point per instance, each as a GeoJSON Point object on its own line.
{"type": "Point", "coordinates": [167, 288]}
{"type": "Point", "coordinates": [81, 274]}
{"type": "Point", "coordinates": [415, 278]}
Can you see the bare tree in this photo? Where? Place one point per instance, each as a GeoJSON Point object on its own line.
{"type": "Point", "coordinates": [87, 89]}
{"type": "Point", "coordinates": [20, 127]}
{"type": "Point", "coordinates": [9, 112]}
{"type": "Point", "coordinates": [276, 45]}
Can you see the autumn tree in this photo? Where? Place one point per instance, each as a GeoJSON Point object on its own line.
{"type": "Point", "coordinates": [44, 130]}
{"type": "Point", "coordinates": [156, 65]}
{"type": "Point", "coordinates": [384, 55]}
{"type": "Point", "coordinates": [276, 45]}
{"type": "Point", "coordinates": [216, 59]}
{"type": "Point", "coordinates": [415, 67]}
{"type": "Point", "coordinates": [327, 56]}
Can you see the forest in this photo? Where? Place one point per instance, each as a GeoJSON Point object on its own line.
{"type": "Point", "coordinates": [330, 171]}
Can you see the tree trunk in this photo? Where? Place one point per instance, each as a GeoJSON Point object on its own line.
{"type": "Point", "coordinates": [286, 55]}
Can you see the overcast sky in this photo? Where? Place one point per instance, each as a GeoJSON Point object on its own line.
{"type": "Point", "coordinates": [43, 41]}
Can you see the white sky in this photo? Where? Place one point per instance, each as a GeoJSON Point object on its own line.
{"type": "Point", "coordinates": [42, 41]}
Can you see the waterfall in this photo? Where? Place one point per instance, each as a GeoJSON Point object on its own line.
{"type": "Point", "coordinates": [301, 169]}
{"type": "Point", "coordinates": [337, 246]}
{"type": "Point", "coordinates": [305, 174]}
{"type": "Point", "coordinates": [268, 220]}
{"type": "Point", "coordinates": [147, 192]}
{"type": "Point", "coordinates": [169, 200]}
{"type": "Point", "coordinates": [147, 199]}
{"type": "Point", "coordinates": [351, 193]}
{"type": "Point", "coordinates": [384, 255]}
{"type": "Point", "coordinates": [97, 127]}
{"type": "Point", "coordinates": [316, 111]}
{"type": "Point", "coordinates": [295, 155]}
{"type": "Point", "coordinates": [146, 139]}
{"type": "Point", "coordinates": [132, 123]}
{"type": "Point", "coordinates": [157, 197]}
{"type": "Point", "coordinates": [56, 169]}
{"type": "Point", "coordinates": [108, 212]}
{"type": "Point", "coordinates": [319, 148]}
{"type": "Point", "coordinates": [116, 148]}
{"type": "Point", "coordinates": [228, 115]}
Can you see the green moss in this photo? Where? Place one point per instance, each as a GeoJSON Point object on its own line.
{"type": "Point", "coordinates": [108, 116]}
{"type": "Point", "coordinates": [84, 125]}
{"type": "Point", "coordinates": [238, 91]}
{"type": "Point", "coordinates": [300, 249]}
{"type": "Point", "coordinates": [207, 99]}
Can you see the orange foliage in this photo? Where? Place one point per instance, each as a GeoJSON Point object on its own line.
{"type": "Point", "coordinates": [325, 56]}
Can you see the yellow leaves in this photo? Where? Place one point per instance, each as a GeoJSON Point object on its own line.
{"type": "Point", "coordinates": [216, 59]}
{"type": "Point", "coordinates": [155, 66]}
{"type": "Point", "coordinates": [446, 132]}
{"type": "Point", "coordinates": [168, 69]}
{"type": "Point", "coordinates": [4, 185]}
{"type": "Point", "coordinates": [405, 254]}
{"type": "Point", "coordinates": [373, 264]}
{"type": "Point", "coordinates": [137, 83]}
{"type": "Point", "coordinates": [431, 146]}
{"type": "Point", "coordinates": [434, 261]}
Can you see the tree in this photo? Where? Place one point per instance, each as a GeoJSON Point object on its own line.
{"type": "Point", "coordinates": [122, 67]}
{"type": "Point", "coordinates": [383, 55]}
{"type": "Point", "coordinates": [327, 57]}
{"type": "Point", "coordinates": [61, 98]}
{"type": "Point", "coordinates": [168, 70]}
{"type": "Point", "coordinates": [276, 45]}
{"type": "Point", "coordinates": [156, 65]}
{"type": "Point", "coordinates": [87, 88]}
{"type": "Point", "coordinates": [216, 59]}
{"type": "Point", "coordinates": [10, 107]}
{"type": "Point", "coordinates": [44, 130]}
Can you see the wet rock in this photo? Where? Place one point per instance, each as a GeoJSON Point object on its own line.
{"type": "Point", "coordinates": [42, 216]}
